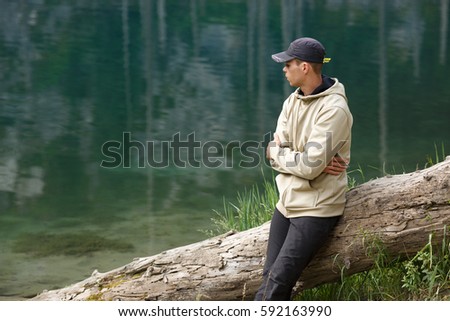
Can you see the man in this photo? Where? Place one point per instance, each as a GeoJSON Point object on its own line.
{"type": "Point", "coordinates": [310, 150]}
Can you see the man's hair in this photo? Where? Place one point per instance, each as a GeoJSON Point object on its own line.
{"type": "Point", "coordinates": [317, 67]}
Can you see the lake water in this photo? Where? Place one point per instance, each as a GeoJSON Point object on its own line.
{"type": "Point", "coordinates": [123, 124]}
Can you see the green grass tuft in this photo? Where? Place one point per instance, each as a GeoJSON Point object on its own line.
{"type": "Point", "coordinates": [252, 208]}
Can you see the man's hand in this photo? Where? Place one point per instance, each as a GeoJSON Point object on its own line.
{"type": "Point", "coordinates": [276, 139]}
{"type": "Point", "coordinates": [336, 166]}
{"type": "Point", "coordinates": [275, 142]}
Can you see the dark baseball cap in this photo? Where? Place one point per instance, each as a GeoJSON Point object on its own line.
{"type": "Point", "coordinates": [305, 49]}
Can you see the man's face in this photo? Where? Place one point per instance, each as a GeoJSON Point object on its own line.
{"type": "Point", "coordinates": [293, 72]}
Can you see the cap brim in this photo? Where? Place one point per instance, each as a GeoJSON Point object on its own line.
{"type": "Point", "coordinates": [282, 57]}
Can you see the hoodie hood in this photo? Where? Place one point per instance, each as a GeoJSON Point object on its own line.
{"type": "Point", "coordinates": [329, 86]}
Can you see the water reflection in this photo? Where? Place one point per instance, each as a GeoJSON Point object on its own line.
{"type": "Point", "coordinates": [29, 184]}
{"type": "Point", "coordinates": [75, 74]}
{"type": "Point", "coordinates": [383, 84]}
{"type": "Point", "coordinates": [443, 32]}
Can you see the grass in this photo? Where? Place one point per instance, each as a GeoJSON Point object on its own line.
{"type": "Point", "coordinates": [252, 208]}
{"type": "Point", "coordinates": [425, 276]}
{"type": "Point", "coordinates": [439, 155]}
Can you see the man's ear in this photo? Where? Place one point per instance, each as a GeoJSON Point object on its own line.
{"type": "Point", "coordinates": [304, 66]}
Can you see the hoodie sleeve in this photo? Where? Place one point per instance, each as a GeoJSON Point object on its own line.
{"type": "Point", "coordinates": [281, 129]}
{"type": "Point", "coordinates": [329, 133]}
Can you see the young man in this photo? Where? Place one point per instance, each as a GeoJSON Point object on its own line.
{"type": "Point", "coordinates": [310, 150]}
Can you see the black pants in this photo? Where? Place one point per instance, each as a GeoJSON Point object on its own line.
{"type": "Point", "coordinates": [292, 245]}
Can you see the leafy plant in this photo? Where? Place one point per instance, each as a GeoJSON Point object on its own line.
{"type": "Point", "coordinates": [428, 272]}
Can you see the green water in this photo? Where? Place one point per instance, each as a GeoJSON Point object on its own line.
{"type": "Point", "coordinates": [75, 75]}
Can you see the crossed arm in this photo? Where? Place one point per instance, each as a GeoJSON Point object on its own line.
{"type": "Point", "coordinates": [336, 166]}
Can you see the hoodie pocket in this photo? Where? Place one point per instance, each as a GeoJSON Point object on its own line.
{"type": "Point", "coordinates": [299, 194]}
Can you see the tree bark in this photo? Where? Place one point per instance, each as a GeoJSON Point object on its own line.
{"type": "Point", "coordinates": [399, 212]}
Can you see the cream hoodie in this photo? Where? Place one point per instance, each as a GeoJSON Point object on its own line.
{"type": "Point", "coordinates": [312, 130]}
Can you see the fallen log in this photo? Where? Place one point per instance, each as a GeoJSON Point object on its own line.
{"type": "Point", "coordinates": [400, 211]}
